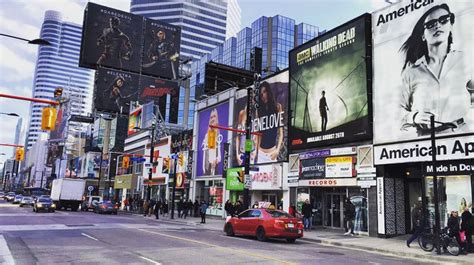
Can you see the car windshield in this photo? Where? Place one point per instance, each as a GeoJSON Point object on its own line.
{"type": "Point", "coordinates": [44, 200]}
{"type": "Point", "coordinates": [278, 214]}
{"type": "Point", "coordinates": [18, 196]}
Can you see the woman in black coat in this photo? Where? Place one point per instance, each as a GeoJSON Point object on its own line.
{"type": "Point", "coordinates": [467, 224]}
{"type": "Point", "coordinates": [453, 226]}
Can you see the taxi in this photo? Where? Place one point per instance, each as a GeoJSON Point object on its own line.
{"type": "Point", "coordinates": [265, 223]}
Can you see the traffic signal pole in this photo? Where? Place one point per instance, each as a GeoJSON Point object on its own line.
{"type": "Point", "coordinates": [152, 150]}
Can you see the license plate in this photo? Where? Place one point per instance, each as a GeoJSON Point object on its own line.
{"type": "Point", "coordinates": [291, 225]}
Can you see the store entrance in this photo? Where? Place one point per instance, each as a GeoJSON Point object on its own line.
{"type": "Point", "coordinates": [333, 209]}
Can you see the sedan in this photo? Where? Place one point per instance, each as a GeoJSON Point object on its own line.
{"type": "Point", "coordinates": [265, 223]}
{"type": "Point", "coordinates": [10, 196]}
{"type": "Point", "coordinates": [2, 195]}
{"type": "Point", "coordinates": [106, 207]}
{"type": "Point", "coordinates": [17, 199]}
{"type": "Point", "coordinates": [26, 201]}
{"type": "Point", "coordinates": [44, 204]}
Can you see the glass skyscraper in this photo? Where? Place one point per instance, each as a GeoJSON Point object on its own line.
{"type": "Point", "coordinates": [57, 66]}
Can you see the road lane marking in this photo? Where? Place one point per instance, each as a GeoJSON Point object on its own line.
{"type": "Point", "coordinates": [91, 237]}
{"type": "Point", "coordinates": [5, 253]}
{"type": "Point", "coordinates": [150, 260]}
{"type": "Point", "coordinates": [243, 252]}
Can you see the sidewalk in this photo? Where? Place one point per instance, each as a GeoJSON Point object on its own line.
{"type": "Point", "coordinates": [393, 246]}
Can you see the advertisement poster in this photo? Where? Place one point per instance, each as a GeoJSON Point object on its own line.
{"type": "Point", "coordinates": [423, 66]}
{"type": "Point", "coordinates": [313, 168]}
{"type": "Point", "coordinates": [340, 167]}
{"type": "Point", "coordinates": [329, 88]}
{"type": "Point", "coordinates": [268, 177]}
{"type": "Point", "coordinates": [111, 38]}
{"type": "Point", "coordinates": [62, 117]}
{"type": "Point", "coordinates": [55, 151]}
{"type": "Point", "coordinates": [159, 90]}
{"type": "Point", "coordinates": [209, 161]}
{"type": "Point", "coordinates": [161, 48]}
{"type": "Point", "coordinates": [182, 141]}
{"type": "Point", "coordinates": [270, 119]}
{"type": "Point", "coordinates": [235, 179]}
{"type": "Point", "coordinates": [113, 90]}
{"type": "Point", "coordinates": [134, 121]}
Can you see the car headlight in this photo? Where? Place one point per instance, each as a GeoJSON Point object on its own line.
{"type": "Point", "coordinates": [39, 205]}
{"type": "Point", "coordinates": [53, 205]}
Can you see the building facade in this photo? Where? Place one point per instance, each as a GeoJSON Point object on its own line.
{"type": "Point", "coordinates": [57, 66]}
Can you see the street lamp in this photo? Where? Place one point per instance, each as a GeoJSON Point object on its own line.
{"type": "Point", "coordinates": [41, 42]}
{"type": "Point", "coordinates": [10, 114]}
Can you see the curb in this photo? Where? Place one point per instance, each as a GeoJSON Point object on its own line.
{"type": "Point", "coordinates": [396, 253]}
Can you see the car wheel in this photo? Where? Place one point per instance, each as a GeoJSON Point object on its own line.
{"type": "Point", "coordinates": [261, 234]}
{"type": "Point", "coordinates": [229, 230]}
{"type": "Point", "coordinates": [291, 240]}
{"type": "Point", "coordinates": [21, 205]}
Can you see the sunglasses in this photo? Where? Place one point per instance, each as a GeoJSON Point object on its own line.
{"type": "Point", "coordinates": [442, 20]}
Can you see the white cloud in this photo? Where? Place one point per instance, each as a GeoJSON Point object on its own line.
{"type": "Point", "coordinates": [14, 66]}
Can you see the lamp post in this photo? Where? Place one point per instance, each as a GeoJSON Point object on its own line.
{"type": "Point", "coordinates": [435, 185]}
{"type": "Point", "coordinates": [42, 42]}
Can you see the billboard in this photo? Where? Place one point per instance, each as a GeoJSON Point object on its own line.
{"type": "Point", "coordinates": [161, 149]}
{"type": "Point", "coordinates": [113, 90]}
{"type": "Point", "coordinates": [161, 49]}
{"type": "Point", "coordinates": [134, 120]}
{"type": "Point", "coordinates": [235, 179]}
{"type": "Point", "coordinates": [423, 66]}
{"type": "Point", "coordinates": [159, 90]}
{"type": "Point", "coordinates": [182, 141]}
{"type": "Point", "coordinates": [55, 151]}
{"type": "Point", "coordinates": [59, 133]}
{"type": "Point", "coordinates": [270, 119]}
{"type": "Point", "coordinates": [209, 161]}
{"type": "Point", "coordinates": [329, 87]}
{"type": "Point", "coordinates": [268, 177]}
{"type": "Point", "coordinates": [314, 168]}
{"type": "Point", "coordinates": [111, 38]}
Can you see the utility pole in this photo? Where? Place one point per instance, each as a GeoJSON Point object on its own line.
{"type": "Point", "coordinates": [435, 185]}
{"type": "Point", "coordinates": [173, 193]}
{"type": "Point", "coordinates": [152, 150]}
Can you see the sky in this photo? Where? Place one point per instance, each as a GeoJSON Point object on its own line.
{"type": "Point", "coordinates": [23, 18]}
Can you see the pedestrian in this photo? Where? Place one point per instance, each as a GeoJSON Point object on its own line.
{"type": "Point", "coordinates": [467, 223]}
{"type": "Point", "coordinates": [349, 215]}
{"type": "Point", "coordinates": [203, 209]}
{"type": "Point", "coordinates": [165, 208]}
{"type": "Point", "coordinates": [130, 203]}
{"type": "Point", "coordinates": [151, 207]}
{"type": "Point", "coordinates": [292, 210]}
{"type": "Point", "coordinates": [229, 208]}
{"type": "Point", "coordinates": [417, 221]}
{"type": "Point", "coordinates": [190, 208]}
{"type": "Point", "coordinates": [140, 205]}
{"type": "Point", "coordinates": [307, 211]}
{"type": "Point", "coordinates": [185, 209]}
{"type": "Point", "coordinates": [255, 205]}
{"type": "Point", "coordinates": [180, 207]}
{"type": "Point", "coordinates": [146, 204]}
{"type": "Point", "coordinates": [157, 209]}
{"type": "Point", "coordinates": [453, 226]}
{"type": "Point", "coordinates": [125, 205]}
{"type": "Point", "coordinates": [196, 208]}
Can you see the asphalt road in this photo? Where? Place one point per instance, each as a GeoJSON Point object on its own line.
{"type": "Point", "coordinates": [88, 238]}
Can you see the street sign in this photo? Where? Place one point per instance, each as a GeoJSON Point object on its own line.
{"type": "Point", "coordinates": [138, 159]}
{"type": "Point", "coordinates": [248, 145]}
{"type": "Point", "coordinates": [90, 188]}
{"type": "Point", "coordinates": [247, 182]}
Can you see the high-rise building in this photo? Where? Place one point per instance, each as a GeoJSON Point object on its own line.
{"type": "Point", "coordinates": [204, 25]}
{"type": "Point", "coordinates": [57, 66]}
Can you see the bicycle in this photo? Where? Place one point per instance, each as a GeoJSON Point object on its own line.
{"type": "Point", "coordinates": [449, 243]}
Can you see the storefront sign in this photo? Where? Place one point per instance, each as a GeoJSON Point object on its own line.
{"type": "Point", "coordinates": [267, 178]}
{"type": "Point", "coordinates": [328, 182]}
{"type": "Point", "coordinates": [339, 167]}
{"type": "Point", "coordinates": [235, 179]}
{"type": "Point", "coordinates": [314, 154]}
{"type": "Point", "coordinates": [225, 163]}
{"type": "Point", "coordinates": [343, 151]}
{"type": "Point", "coordinates": [312, 168]}
{"type": "Point", "coordinates": [380, 206]}
{"type": "Point", "coordinates": [447, 149]}
{"type": "Point", "coordinates": [123, 182]}
{"type": "Point", "coordinates": [450, 168]}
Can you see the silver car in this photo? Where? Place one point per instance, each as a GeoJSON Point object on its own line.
{"type": "Point", "coordinates": [17, 199]}
{"type": "Point", "coordinates": [26, 201]}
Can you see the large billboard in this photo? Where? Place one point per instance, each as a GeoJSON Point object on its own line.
{"type": "Point", "coordinates": [329, 87]}
{"type": "Point", "coordinates": [159, 90]}
{"type": "Point", "coordinates": [113, 90]}
{"type": "Point", "coordinates": [111, 38]}
{"type": "Point", "coordinates": [270, 119]}
{"type": "Point", "coordinates": [59, 133]}
{"type": "Point", "coordinates": [423, 66]}
{"type": "Point", "coordinates": [161, 49]}
{"type": "Point", "coordinates": [209, 161]}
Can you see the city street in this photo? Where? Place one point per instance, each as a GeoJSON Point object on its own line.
{"type": "Point", "coordinates": [88, 238]}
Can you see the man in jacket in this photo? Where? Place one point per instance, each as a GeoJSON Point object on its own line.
{"type": "Point", "coordinates": [307, 211]}
{"type": "Point", "coordinates": [417, 219]}
{"type": "Point", "coordinates": [349, 215]}
{"type": "Point", "coordinates": [467, 224]}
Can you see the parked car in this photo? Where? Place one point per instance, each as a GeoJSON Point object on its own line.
{"type": "Point", "coordinates": [26, 201]}
{"type": "Point", "coordinates": [44, 204]}
{"type": "Point", "coordinates": [106, 207]}
{"type": "Point", "coordinates": [2, 195]}
{"type": "Point", "coordinates": [265, 223]}
{"type": "Point", "coordinates": [10, 196]}
{"type": "Point", "coordinates": [17, 199]}
{"type": "Point", "coordinates": [90, 203]}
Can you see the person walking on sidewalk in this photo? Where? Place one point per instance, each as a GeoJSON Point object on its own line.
{"type": "Point", "coordinates": [467, 224]}
{"type": "Point", "coordinates": [229, 208]}
{"type": "Point", "coordinates": [130, 203]}
{"type": "Point", "coordinates": [165, 208]}
{"type": "Point", "coordinates": [157, 209]}
{"type": "Point", "coordinates": [146, 205]}
{"type": "Point", "coordinates": [418, 221]}
{"type": "Point", "coordinates": [202, 210]}
{"type": "Point", "coordinates": [349, 214]}
{"type": "Point", "coordinates": [151, 207]}
{"type": "Point", "coordinates": [180, 207]}
{"type": "Point", "coordinates": [185, 210]}
{"type": "Point", "coordinates": [196, 208]}
{"type": "Point", "coordinates": [307, 211]}
{"type": "Point", "coordinates": [190, 207]}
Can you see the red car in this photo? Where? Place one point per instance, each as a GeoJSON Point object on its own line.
{"type": "Point", "coordinates": [265, 223]}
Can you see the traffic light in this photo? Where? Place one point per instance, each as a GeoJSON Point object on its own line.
{"type": "Point", "coordinates": [125, 162]}
{"type": "Point", "coordinates": [58, 92]}
{"type": "Point", "coordinates": [20, 154]}
{"type": "Point", "coordinates": [181, 160]}
{"type": "Point", "coordinates": [48, 118]}
{"type": "Point", "coordinates": [211, 139]}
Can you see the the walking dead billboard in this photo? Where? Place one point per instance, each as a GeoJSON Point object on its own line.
{"type": "Point", "coordinates": [329, 87]}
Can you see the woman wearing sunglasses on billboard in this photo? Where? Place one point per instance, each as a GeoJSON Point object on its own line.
{"type": "Point", "coordinates": [435, 76]}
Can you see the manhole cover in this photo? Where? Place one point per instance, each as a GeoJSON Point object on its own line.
{"type": "Point", "coordinates": [331, 253]}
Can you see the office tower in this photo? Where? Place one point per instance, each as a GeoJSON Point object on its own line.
{"type": "Point", "coordinates": [57, 66]}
